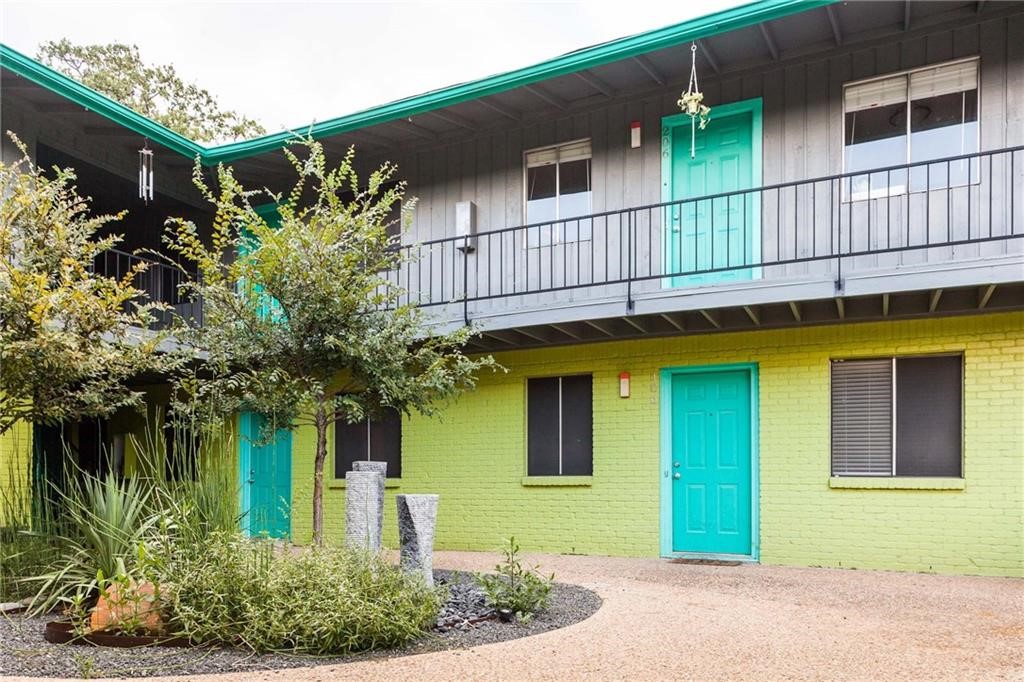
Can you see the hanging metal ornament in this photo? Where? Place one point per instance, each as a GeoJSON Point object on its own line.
{"type": "Point", "coordinates": [146, 178]}
{"type": "Point", "coordinates": [692, 103]}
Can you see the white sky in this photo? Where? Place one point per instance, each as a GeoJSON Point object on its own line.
{"type": "Point", "coordinates": [289, 63]}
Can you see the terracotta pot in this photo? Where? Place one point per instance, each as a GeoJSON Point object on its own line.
{"type": "Point", "coordinates": [134, 606]}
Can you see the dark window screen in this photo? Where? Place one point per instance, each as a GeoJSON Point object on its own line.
{"type": "Point", "coordinates": [542, 427]}
{"type": "Point", "coordinates": [928, 416]}
{"type": "Point", "coordinates": [577, 426]}
{"type": "Point", "coordinates": [560, 426]}
{"type": "Point", "coordinates": [379, 440]}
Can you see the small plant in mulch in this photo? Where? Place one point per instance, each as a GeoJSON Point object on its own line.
{"type": "Point", "coordinates": [515, 590]}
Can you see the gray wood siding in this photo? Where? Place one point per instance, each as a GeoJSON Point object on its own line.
{"type": "Point", "coordinates": [802, 138]}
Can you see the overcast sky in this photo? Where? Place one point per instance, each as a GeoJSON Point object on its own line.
{"type": "Point", "coordinates": [289, 63]}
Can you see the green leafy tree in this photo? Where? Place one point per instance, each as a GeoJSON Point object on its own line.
{"type": "Point", "coordinates": [301, 322]}
{"type": "Point", "coordinates": [155, 91]}
{"type": "Point", "coordinates": [70, 338]}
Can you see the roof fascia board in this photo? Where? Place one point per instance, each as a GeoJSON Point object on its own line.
{"type": "Point", "coordinates": [88, 98]}
{"type": "Point", "coordinates": [623, 48]}
{"type": "Point", "coordinates": [702, 27]}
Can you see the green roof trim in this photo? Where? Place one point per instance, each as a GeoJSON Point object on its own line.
{"type": "Point", "coordinates": [70, 89]}
{"type": "Point", "coordinates": [622, 48]}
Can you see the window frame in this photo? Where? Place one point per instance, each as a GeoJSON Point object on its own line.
{"type": "Point", "coordinates": [847, 195]}
{"type": "Point", "coordinates": [558, 224]}
{"type": "Point", "coordinates": [893, 454]}
{"type": "Point", "coordinates": [561, 426]}
{"type": "Point", "coordinates": [332, 444]}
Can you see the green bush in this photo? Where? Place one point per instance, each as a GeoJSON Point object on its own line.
{"type": "Point", "coordinates": [524, 591]}
{"type": "Point", "coordinates": [234, 590]}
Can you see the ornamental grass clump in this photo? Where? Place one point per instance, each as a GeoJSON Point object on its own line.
{"type": "Point", "coordinates": [321, 600]}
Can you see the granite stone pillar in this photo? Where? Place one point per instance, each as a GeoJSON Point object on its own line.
{"type": "Point", "coordinates": [364, 509]}
{"type": "Point", "coordinates": [380, 468]}
{"type": "Point", "coordinates": [417, 516]}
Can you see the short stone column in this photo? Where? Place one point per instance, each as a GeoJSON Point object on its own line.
{"type": "Point", "coordinates": [417, 516]}
{"type": "Point", "coordinates": [364, 510]}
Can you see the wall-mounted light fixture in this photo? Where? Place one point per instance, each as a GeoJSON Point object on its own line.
{"type": "Point", "coordinates": [634, 135]}
{"type": "Point", "coordinates": [623, 384]}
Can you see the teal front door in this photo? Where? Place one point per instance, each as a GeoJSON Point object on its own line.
{"type": "Point", "coordinates": [266, 470]}
{"type": "Point", "coordinates": [713, 238]}
{"type": "Point", "coordinates": [711, 472]}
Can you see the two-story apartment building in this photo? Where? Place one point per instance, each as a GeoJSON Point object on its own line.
{"type": "Point", "coordinates": [793, 336]}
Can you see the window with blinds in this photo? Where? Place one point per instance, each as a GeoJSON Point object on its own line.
{"type": "Point", "coordinates": [377, 439]}
{"type": "Point", "coordinates": [559, 426]}
{"type": "Point", "coordinates": [924, 114]}
{"type": "Point", "coordinates": [897, 416]}
{"type": "Point", "coordinates": [558, 192]}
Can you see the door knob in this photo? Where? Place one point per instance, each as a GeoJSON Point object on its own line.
{"type": "Point", "coordinates": [675, 464]}
{"type": "Point", "coordinates": [677, 476]}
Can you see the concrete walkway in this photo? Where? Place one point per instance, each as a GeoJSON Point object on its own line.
{"type": "Point", "coordinates": [671, 621]}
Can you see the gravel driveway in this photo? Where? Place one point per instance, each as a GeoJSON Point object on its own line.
{"type": "Point", "coordinates": [673, 621]}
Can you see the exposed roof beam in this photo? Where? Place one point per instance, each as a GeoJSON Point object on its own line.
{"type": "Point", "coordinates": [753, 314]}
{"type": "Point", "coordinates": [531, 335]}
{"type": "Point", "coordinates": [885, 305]}
{"type": "Point", "coordinates": [678, 324]}
{"type": "Point", "coordinates": [794, 308]}
{"type": "Point", "coordinates": [712, 318]}
{"type": "Point", "coordinates": [841, 308]}
{"type": "Point", "coordinates": [60, 108]}
{"type": "Point", "coordinates": [419, 130]}
{"type": "Point", "coordinates": [984, 294]}
{"type": "Point", "coordinates": [598, 327]}
{"type": "Point", "coordinates": [454, 119]}
{"type": "Point", "coordinates": [769, 41]}
{"type": "Point", "coordinates": [650, 69]}
{"type": "Point", "coordinates": [596, 83]}
{"type": "Point", "coordinates": [934, 302]}
{"type": "Point", "coordinates": [107, 131]}
{"type": "Point", "coordinates": [499, 109]}
{"type": "Point", "coordinates": [833, 19]}
{"type": "Point", "coordinates": [709, 56]}
{"type": "Point", "coordinates": [551, 99]}
{"type": "Point", "coordinates": [906, 15]}
{"type": "Point", "coordinates": [634, 324]}
{"type": "Point", "coordinates": [564, 330]}
{"type": "Point", "coordinates": [498, 337]}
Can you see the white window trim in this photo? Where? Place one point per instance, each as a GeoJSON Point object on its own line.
{"type": "Point", "coordinates": [898, 190]}
{"type": "Point", "coordinates": [558, 224]}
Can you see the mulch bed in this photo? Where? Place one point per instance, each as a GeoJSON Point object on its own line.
{"type": "Point", "coordinates": [464, 621]}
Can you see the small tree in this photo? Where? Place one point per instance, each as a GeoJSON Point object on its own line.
{"type": "Point", "coordinates": [157, 92]}
{"type": "Point", "coordinates": [301, 323]}
{"type": "Point", "coordinates": [70, 338]}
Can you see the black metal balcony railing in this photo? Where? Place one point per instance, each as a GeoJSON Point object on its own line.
{"type": "Point", "coordinates": [161, 283]}
{"type": "Point", "coordinates": [934, 211]}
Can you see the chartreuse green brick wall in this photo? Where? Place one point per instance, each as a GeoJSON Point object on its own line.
{"type": "Point", "coordinates": [15, 459]}
{"type": "Point", "coordinates": [474, 456]}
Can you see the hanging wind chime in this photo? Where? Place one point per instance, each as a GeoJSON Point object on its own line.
{"type": "Point", "coordinates": [146, 186]}
{"type": "Point", "coordinates": [692, 103]}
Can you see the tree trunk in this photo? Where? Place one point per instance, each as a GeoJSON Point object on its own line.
{"type": "Point", "coordinates": [318, 473]}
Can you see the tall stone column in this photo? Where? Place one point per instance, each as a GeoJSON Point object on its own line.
{"type": "Point", "coordinates": [417, 517]}
{"type": "Point", "coordinates": [380, 468]}
{"type": "Point", "coordinates": [364, 506]}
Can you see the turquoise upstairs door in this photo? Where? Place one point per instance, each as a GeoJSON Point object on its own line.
{"type": "Point", "coordinates": [267, 468]}
{"type": "Point", "coordinates": [712, 234]}
{"type": "Point", "coordinates": [711, 463]}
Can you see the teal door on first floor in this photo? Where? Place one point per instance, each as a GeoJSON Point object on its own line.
{"type": "Point", "coordinates": [266, 471]}
{"type": "Point", "coordinates": [711, 463]}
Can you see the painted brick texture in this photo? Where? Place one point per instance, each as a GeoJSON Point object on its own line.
{"type": "Point", "coordinates": [474, 455]}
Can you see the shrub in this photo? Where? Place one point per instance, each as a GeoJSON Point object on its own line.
{"type": "Point", "coordinates": [321, 600]}
{"type": "Point", "coordinates": [524, 591]}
